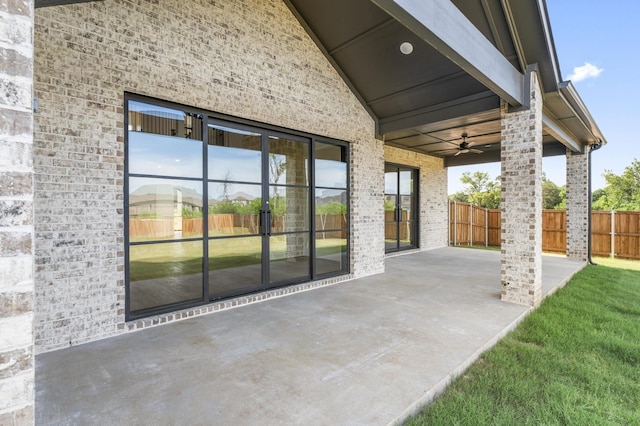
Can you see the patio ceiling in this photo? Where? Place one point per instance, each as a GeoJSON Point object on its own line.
{"type": "Point", "coordinates": [467, 55]}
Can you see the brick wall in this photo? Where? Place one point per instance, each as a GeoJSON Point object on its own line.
{"type": "Point", "coordinates": [577, 205]}
{"type": "Point", "coordinates": [367, 208]}
{"type": "Point", "coordinates": [434, 203]}
{"type": "Point", "coordinates": [521, 235]}
{"type": "Point", "coordinates": [16, 212]}
{"type": "Point", "coordinates": [247, 58]}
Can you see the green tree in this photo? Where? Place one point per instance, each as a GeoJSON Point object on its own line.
{"type": "Point", "coordinates": [459, 196]}
{"type": "Point", "coordinates": [551, 194]}
{"type": "Point", "coordinates": [479, 189]}
{"type": "Point", "coordinates": [224, 207]}
{"type": "Point", "coordinates": [389, 206]}
{"type": "Point", "coordinates": [599, 199]}
{"type": "Point", "coordinates": [253, 207]}
{"type": "Point", "coordinates": [562, 205]}
{"type": "Point", "coordinates": [622, 191]}
{"type": "Point", "coordinates": [332, 207]}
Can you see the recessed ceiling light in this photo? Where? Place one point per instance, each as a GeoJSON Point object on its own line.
{"type": "Point", "coordinates": [406, 48]}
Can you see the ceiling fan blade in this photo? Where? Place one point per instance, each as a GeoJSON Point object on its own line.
{"type": "Point", "coordinates": [457, 153]}
{"type": "Point", "coordinates": [475, 151]}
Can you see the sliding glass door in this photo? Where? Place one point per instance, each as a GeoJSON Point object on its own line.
{"type": "Point", "coordinates": [400, 201]}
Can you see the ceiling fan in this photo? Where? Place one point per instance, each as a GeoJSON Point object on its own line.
{"type": "Point", "coordinates": [465, 148]}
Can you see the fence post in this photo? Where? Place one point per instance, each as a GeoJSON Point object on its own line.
{"type": "Point", "coordinates": [613, 233]}
{"type": "Point", "coordinates": [470, 224]}
{"type": "Point", "coordinates": [455, 224]}
{"type": "Point", "coordinates": [486, 227]}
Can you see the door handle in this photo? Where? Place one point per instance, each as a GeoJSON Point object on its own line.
{"type": "Point", "coordinates": [268, 212]}
{"type": "Point", "coordinates": [398, 214]}
{"type": "Point", "coordinates": [261, 223]}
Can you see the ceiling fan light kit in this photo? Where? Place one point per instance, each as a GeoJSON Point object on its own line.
{"type": "Point", "coordinates": [464, 147]}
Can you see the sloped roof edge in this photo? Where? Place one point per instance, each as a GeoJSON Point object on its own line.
{"type": "Point", "coordinates": [532, 33]}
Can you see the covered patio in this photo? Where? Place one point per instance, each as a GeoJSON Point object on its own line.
{"type": "Point", "coordinates": [368, 351]}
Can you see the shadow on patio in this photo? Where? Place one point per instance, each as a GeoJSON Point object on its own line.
{"type": "Point", "coordinates": [367, 351]}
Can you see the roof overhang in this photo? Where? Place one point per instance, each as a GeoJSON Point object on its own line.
{"type": "Point", "coordinates": [467, 56]}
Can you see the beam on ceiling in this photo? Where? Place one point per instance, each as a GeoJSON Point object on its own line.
{"type": "Point", "coordinates": [492, 25]}
{"type": "Point", "coordinates": [46, 3]}
{"type": "Point", "coordinates": [561, 134]}
{"type": "Point", "coordinates": [441, 24]}
{"type": "Point", "coordinates": [471, 105]}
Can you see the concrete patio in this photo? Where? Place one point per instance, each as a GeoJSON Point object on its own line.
{"type": "Point", "coordinates": [367, 351]}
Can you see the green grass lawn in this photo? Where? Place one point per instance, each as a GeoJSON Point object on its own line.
{"type": "Point", "coordinates": [176, 259]}
{"type": "Point", "coordinates": [573, 361]}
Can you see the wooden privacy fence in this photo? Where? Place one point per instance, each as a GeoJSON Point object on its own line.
{"type": "Point", "coordinates": [391, 227]}
{"type": "Point", "coordinates": [613, 233]}
{"type": "Point", "coordinates": [225, 224]}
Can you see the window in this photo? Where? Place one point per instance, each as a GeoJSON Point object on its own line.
{"type": "Point", "coordinates": [217, 208]}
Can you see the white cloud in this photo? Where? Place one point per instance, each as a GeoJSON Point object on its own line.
{"type": "Point", "coordinates": [584, 72]}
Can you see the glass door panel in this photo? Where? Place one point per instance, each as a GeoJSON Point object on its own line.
{"type": "Point", "coordinates": [406, 210]}
{"type": "Point", "coordinates": [400, 203]}
{"type": "Point", "coordinates": [236, 211]}
{"type": "Point", "coordinates": [288, 162]}
{"type": "Point", "coordinates": [390, 208]}
{"type": "Point", "coordinates": [234, 155]}
{"type": "Point", "coordinates": [235, 265]}
{"type": "Point", "coordinates": [289, 258]}
{"type": "Point", "coordinates": [288, 211]}
{"type": "Point", "coordinates": [258, 220]}
{"type": "Point", "coordinates": [289, 207]}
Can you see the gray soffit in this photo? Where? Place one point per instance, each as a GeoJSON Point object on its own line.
{"type": "Point", "coordinates": [467, 56]}
{"type": "Point", "coordinates": [443, 26]}
{"type": "Point", "coordinates": [45, 3]}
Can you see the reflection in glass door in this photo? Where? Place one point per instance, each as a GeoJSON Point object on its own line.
{"type": "Point", "coordinates": [235, 204]}
{"type": "Point", "coordinates": [217, 209]}
{"type": "Point", "coordinates": [400, 201]}
{"type": "Point", "coordinates": [288, 208]}
{"type": "Point", "coordinates": [258, 218]}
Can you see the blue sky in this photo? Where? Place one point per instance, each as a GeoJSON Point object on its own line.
{"type": "Point", "coordinates": [596, 41]}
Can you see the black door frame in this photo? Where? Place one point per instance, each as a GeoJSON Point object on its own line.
{"type": "Point", "coordinates": [265, 215]}
{"type": "Point", "coordinates": [238, 123]}
{"type": "Point", "coordinates": [414, 218]}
